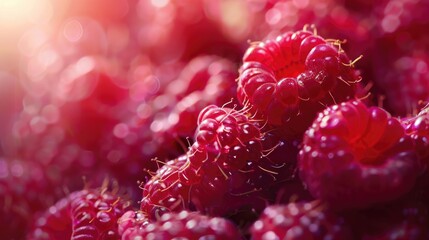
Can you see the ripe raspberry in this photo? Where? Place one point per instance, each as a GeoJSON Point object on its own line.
{"type": "Point", "coordinates": [205, 80]}
{"type": "Point", "coordinates": [38, 137]}
{"type": "Point", "coordinates": [91, 103]}
{"type": "Point", "coordinates": [289, 79]}
{"type": "Point", "coordinates": [164, 191]}
{"type": "Point", "coordinates": [406, 84]}
{"type": "Point", "coordinates": [163, 120]}
{"type": "Point", "coordinates": [219, 175]}
{"type": "Point", "coordinates": [351, 153]}
{"type": "Point", "coordinates": [25, 188]}
{"type": "Point", "coordinates": [221, 129]}
{"type": "Point", "coordinates": [299, 221]}
{"type": "Point", "coordinates": [215, 192]}
{"type": "Point", "coordinates": [399, 220]}
{"type": "Point", "coordinates": [186, 225]}
{"type": "Point", "coordinates": [281, 160]}
{"type": "Point", "coordinates": [86, 214]}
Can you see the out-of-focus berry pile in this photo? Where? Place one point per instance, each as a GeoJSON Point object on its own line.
{"type": "Point", "coordinates": [229, 119]}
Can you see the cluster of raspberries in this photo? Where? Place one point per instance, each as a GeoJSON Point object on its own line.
{"type": "Point", "coordinates": [297, 136]}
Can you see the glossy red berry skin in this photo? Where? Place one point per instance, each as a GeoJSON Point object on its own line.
{"type": "Point", "coordinates": [406, 84]}
{"type": "Point", "coordinates": [205, 80]}
{"type": "Point", "coordinates": [299, 221]}
{"type": "Point", "coordinates": [86, 214]}
{"type": "Point", "coordinates": [354, 156]}
{"type": "Point", "coordinates": [164, 192]}
{"type": "Point", "coordinates": [221, 173]}
{"type": "Point", "coordinates": [398, 220]}
{"type": "Point", "coordinates": [221, 129]}
{"type": "Point", "coordinates": [286, 79]}
{"type": "Point", "coordinates": [417, 127]}
{"type": "Point", "coordinates": [26, 187]}
{"type": "Point", "coordinates": [186, 225]}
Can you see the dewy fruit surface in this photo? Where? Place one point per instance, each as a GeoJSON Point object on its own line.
{"type": "Point", "coordinates": [92, 91]}
{"type": "Point", "coordinates": [183, 225]}
{"type": "Point", "coordinates": [289, 79]}
{"type": "Point", "coordinates": [86, 214]}
{"type": "Point", "coordinates": [218, 173]}
{"type": "Point", "coordinates": [354, 156]}
{"type": "Point", "coordinates": [299, 221]}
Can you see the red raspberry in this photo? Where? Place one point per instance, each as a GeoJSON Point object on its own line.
{"type": "Point", "coordinates": [164, 119]}
{"type": "Point", "coordinates": [220, 130]}
{"type": "Point", "coordinates": [281, 158]}
{"type": "Point", "coordinates": [399, 220]}
{"type": "Point", "coordinates": [38, 137]}
{"type": "Point", "coordinates": [406, 84]}
{"type": "Point", "coordinates": [287, 79]}
{"type": "Point", "coordinates": [351, 153]}
{"type": "Point", "coordinates": [25, 188]}
{"type": "Point", "coordinates": [215, 192]}
{"type": "Point", "coordinates": [186, 225]}
{"type": "Point", "coordinates": [219, 175]}
{"type": "Point", "coordinates": [164, 191]}
{"type": "Point", "coordinates": [203, 81]}
{"type": "Point", "coordinates": [86, 214]}
{"type": "Point", "coordinates": [299, 221]}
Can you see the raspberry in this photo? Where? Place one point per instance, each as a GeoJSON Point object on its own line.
{"type": "Point", "coordinates": [309, 220]}
{"type": "Point", "coordinates": [287, 79]}
{"type": "Point", "coordinates": [186, 225]}
{"type": "Point", "coordinates": [399, 220]}
{"type": "Point", "coordinates": [38, 137]}
{"type": "Point", "coordinates": [219, 175]}
{"type": "Point", "coordinates": [85, 214]}
{"type": "Point", "coordinates": [26, 187]}
{"type": "Point", "coordinates": [221, 129]}
{"type": "Point", "coordinates": [281, 159]}
{"type": "Point", "coordinates": [203, 81]}
{"type": "Point", "coordinates": [418, 128]}
{"type": "Point", "coordinates": [407, 84]}
{"type": "Point", "coordinates": [166, 118]}
{"type": "Point", "coordinates": [91, 103]}
{"type": "Point", "coordinates": [176, 186]}
{"type": "Point", "coordinates": [163, 191]}
{"type": "Point", "coordinates": [351, 153]}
